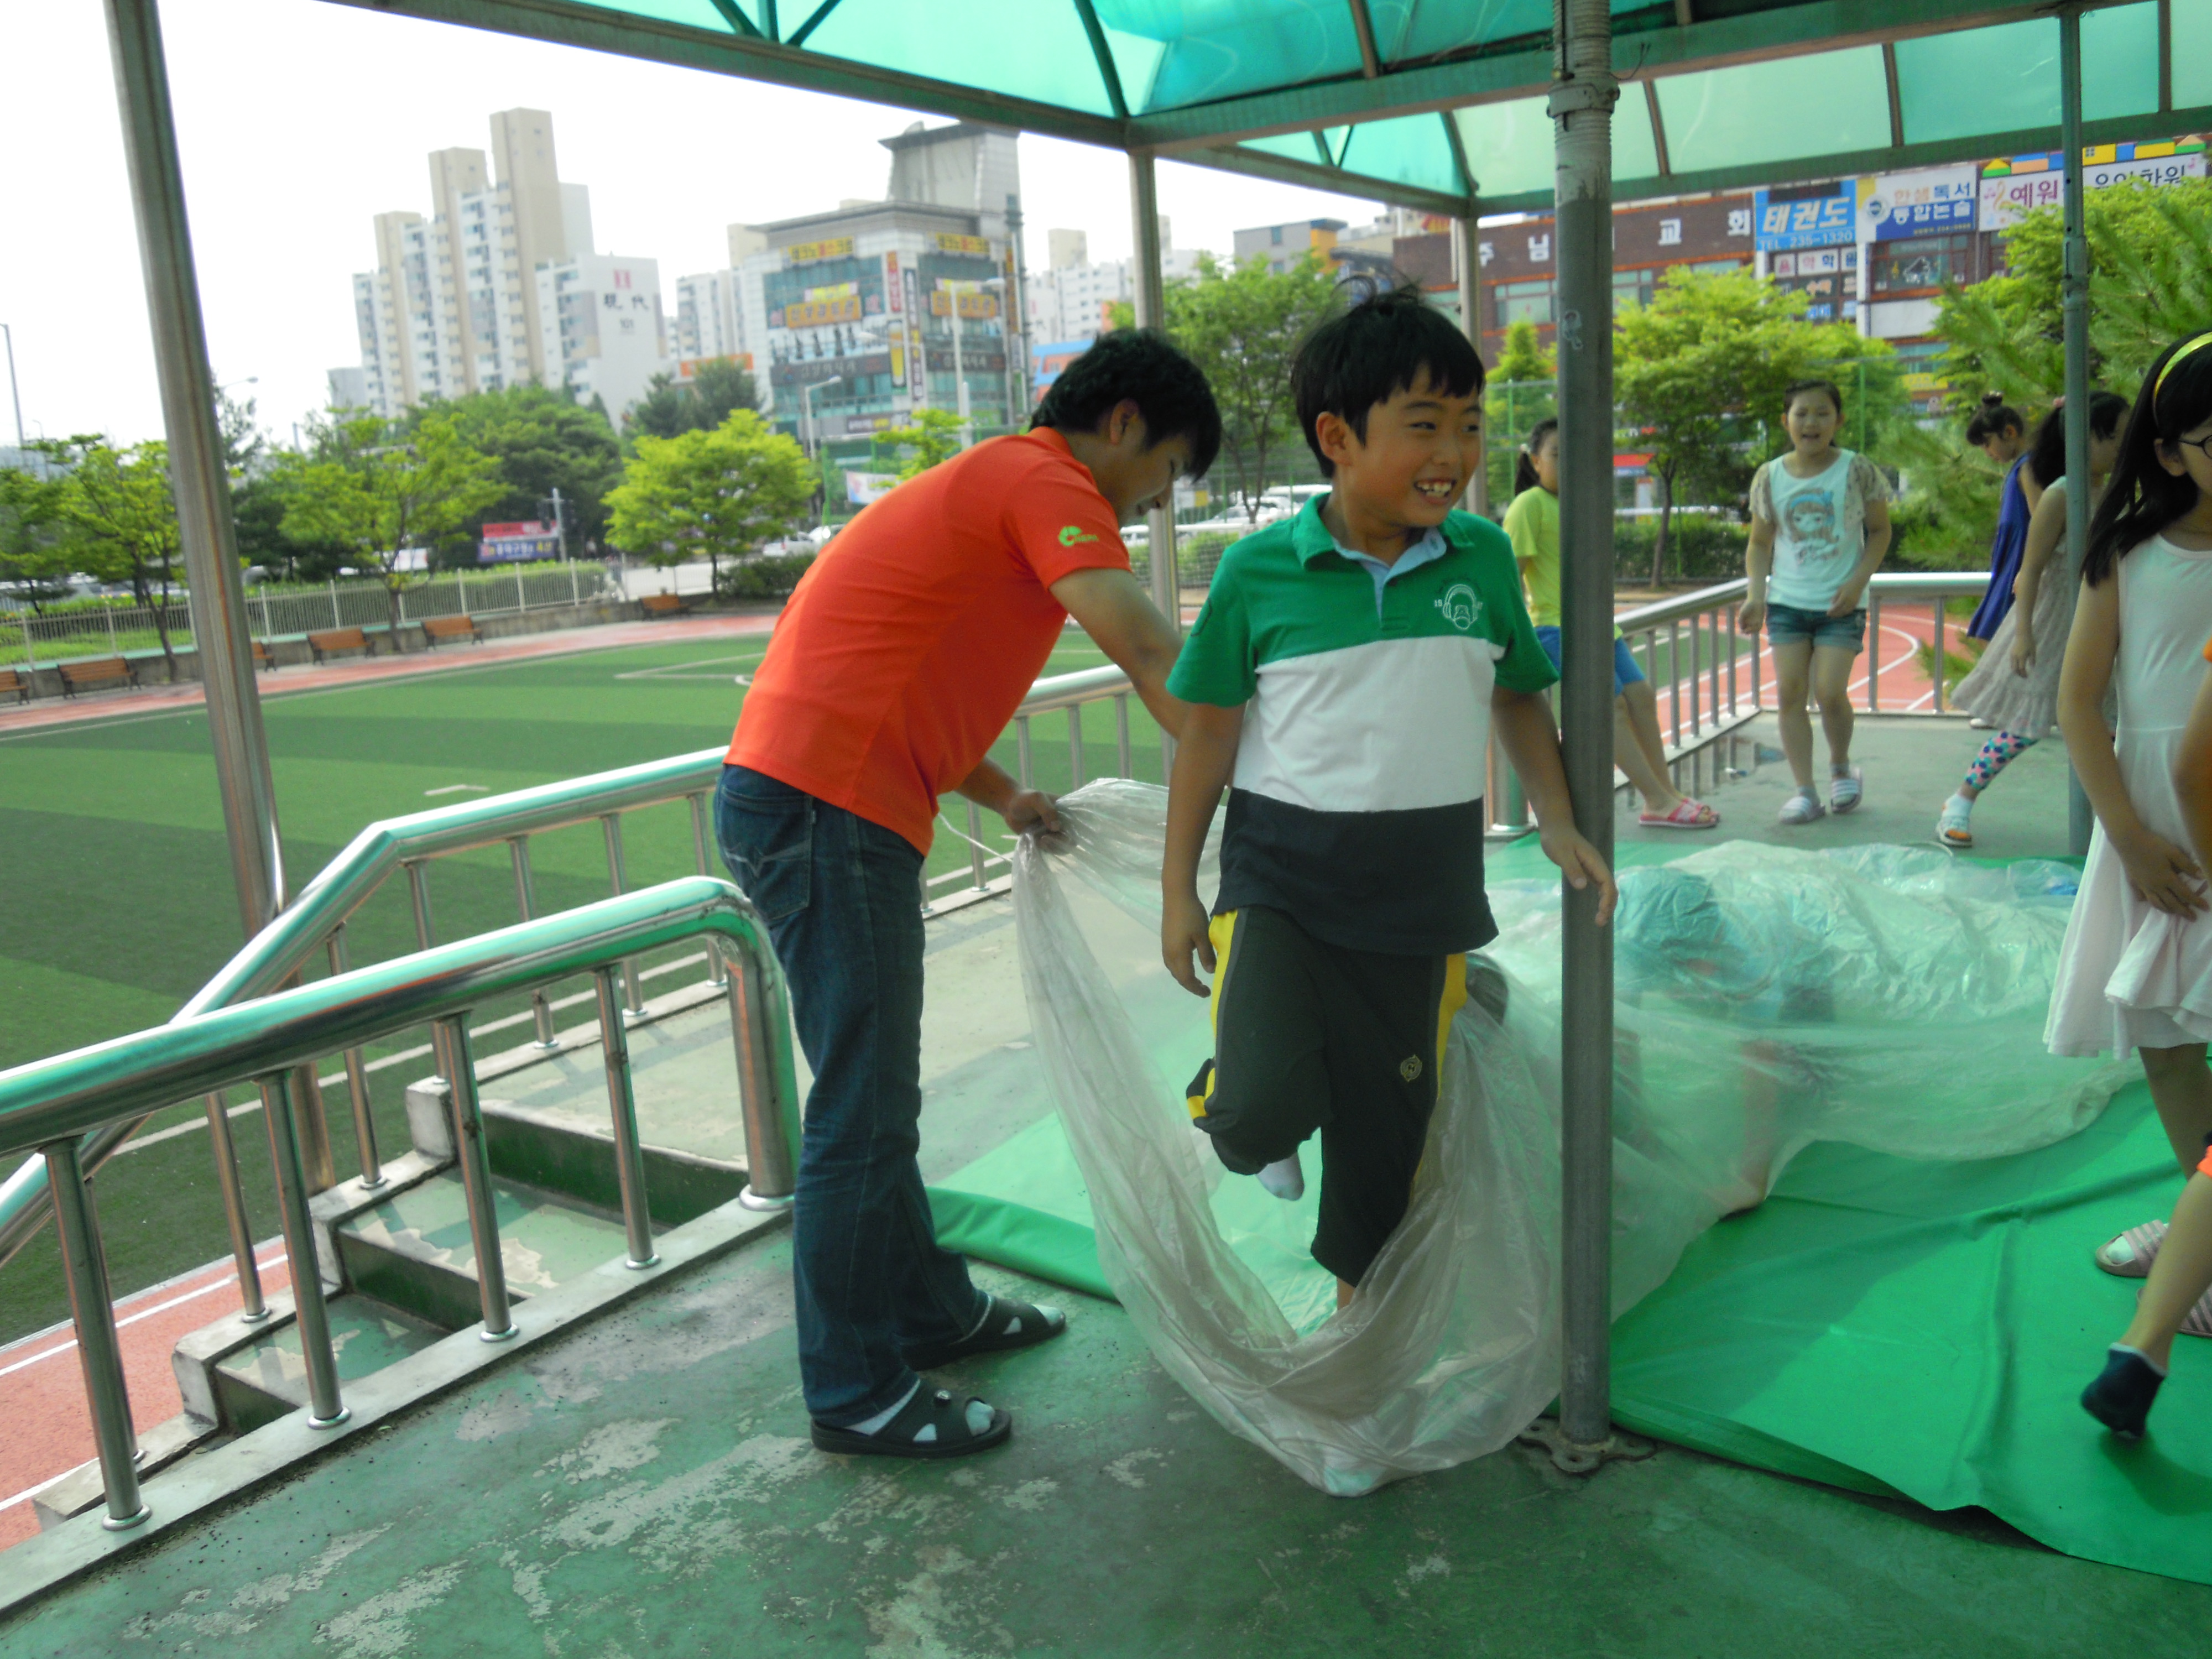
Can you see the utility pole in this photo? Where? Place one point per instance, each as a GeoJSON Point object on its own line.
{"type": "Point", "coordinates": [14, 394]}
{"type": "Point", "coordinates": [2073, 299]}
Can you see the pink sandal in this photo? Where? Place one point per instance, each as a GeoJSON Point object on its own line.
{"type": "Point", "coordinates": [1688, 814]}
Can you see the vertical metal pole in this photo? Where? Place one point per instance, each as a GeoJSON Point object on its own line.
{"type": "Point", "coordinates": [240, 1228]}
{"type": "Point", "coordinates": [1151, 308]}
{"type": "Point", "coordinates": [418, 893]}
{"type": "Point", "coordinates": [760, 1029]}
{"type": "Point", "coordinates": [1023, 772]}
{"type": "Point", "coordinates": [622, 1100]}
{"type": "Point", "coordinates": [526, 904]}
{"type": "Point", "coordinates": [1874, 657]}
{"type": "Point", "coordinates": [1734, 650]}
{"type": "Point", "coordinates": [1673, 678]}
{"type": "Point", "coordinates": [196, 472]}
{"type": "Point", "coordinates": [1939, 653]}
{"type": "Point", "coordinates": [99, 1355]}
{"type": "Point", "coordinates": [1466, 262]}
{"type": "Point", "coordinates": [476, 1182]}
{"type": "Point", "coordinates": [335, 622]}
{"type": "Point", "coordinates": [364, 1126]}
{"type": "Point", "coordinates": [2074, 292]}
{"type": "Point", "coordinates": [1713, 667]}
{"type": "Point", "coordinates": [1581, 100]}
{"type": "Point", "coordinates": [975, 863]}
{"type": "Point", "coordinates": [717, 961]}
{"type": "Point", "coordinates": [325, 1410]}
{"type": "Point", "coordinates": [634, 1001]}
{"type": "Point", "coordinates": [1121, 735]}
{"type": "Point", "coordinates": [1075, 746]}
{"type": "Point", "coordinates": [1696, 635]}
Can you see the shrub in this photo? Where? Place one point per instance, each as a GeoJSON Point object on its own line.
{"type": "Point", "coordinates": [1701, 547]}
{"type": "Point", "coordinates": [763, 576]}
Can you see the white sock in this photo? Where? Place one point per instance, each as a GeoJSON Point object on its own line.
{"type": "Point", "coordinates": [881, 1418]}
{"type": "Point", "coordinates": [1285, 1178]}
{"type": "Point", "coordinates": [1961, 799]}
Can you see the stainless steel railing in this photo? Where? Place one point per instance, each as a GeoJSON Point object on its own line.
{"type": "Point", "coordinates": [1710, 677]}
{"type": "Point", "coordinates": [50, 1104]}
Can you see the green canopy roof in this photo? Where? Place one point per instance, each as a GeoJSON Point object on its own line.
{"type": "Point", "coordinates": [1437, 104]}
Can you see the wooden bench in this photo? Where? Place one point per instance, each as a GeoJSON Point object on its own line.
{"type": "Point", "coordinates": [436, 629]}
{"type": "Point", "coordinates": [96, 672]}
{"type": "Point", "coordinates": [15, 681]}
{"type": "Point", "coordinates": [261, 659]}
{"type": "Point", "coordinates": [333, 640]}
{"type": "Point", "coordinates": [663, 605]}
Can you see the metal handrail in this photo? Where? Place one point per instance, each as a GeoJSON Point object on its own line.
{"type": "Point", "coordinates": [50, 1104]}
{"type": "Point", "coordinates": [314, 921]}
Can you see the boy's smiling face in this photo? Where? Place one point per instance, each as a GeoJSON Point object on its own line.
{"type": "Point", "coordinates": [1422, 446]}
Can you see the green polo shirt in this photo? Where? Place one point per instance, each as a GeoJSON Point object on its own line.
{"type": "Point", "coordinates": [1357, 800]}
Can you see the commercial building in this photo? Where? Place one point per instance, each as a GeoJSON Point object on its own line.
{"type": "Point", "coordinates": [602, 334]}
{"type": "Point", "coordinates": [1284, 245]}
{"type": "Point", "coordinates": [456, 302]}
{"type": "Point", "coordinates": [858, 316]}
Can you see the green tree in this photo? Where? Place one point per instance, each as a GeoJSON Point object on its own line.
{"type": "Point", "coordinates": [718, 389]}
{"type": "Point", "coordinates": [933, 437]}
{"type": "Point", "coordinates": [1242, 325]}
{"type": "Point", "coordinates": [118, 520]}
{"type": "Point", "coordinates": [35, 550]}
{"type": "Point", "coordinates": [377, 487]}
{"type": "Point", "coordinates": [721, 493]}
{"type": "Point", "coordinates": [543, 440]}
{"type": "Point", "coordinates": [1523, 390]}
{"type": "Point", "coordinates": [1699, 373]}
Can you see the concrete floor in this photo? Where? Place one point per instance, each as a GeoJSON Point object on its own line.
{"type": "Point", "coordinates": [643, 1485]}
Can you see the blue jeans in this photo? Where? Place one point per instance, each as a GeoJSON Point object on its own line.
{"type": "Point", "coordinates": [842, 900]}
{"type": "Point", "coordinates": [1625, 670]}
{"type": "Point", "coordinates": [1787, 624]}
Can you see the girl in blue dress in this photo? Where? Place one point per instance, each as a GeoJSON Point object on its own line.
{"type": "Point", "coordinates": [2000, 432]}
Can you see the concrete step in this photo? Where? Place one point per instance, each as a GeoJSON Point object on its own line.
{"type": "Point", "coordinates": [412, 1251]}
{"type": "Point", "coordinates": [267, 1378]}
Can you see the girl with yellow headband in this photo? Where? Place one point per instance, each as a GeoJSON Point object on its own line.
{"type": "Point", "coordinates": [2135, 971]}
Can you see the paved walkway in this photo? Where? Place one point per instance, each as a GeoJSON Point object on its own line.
{"type": "Point", "coordinates": [365, 671]}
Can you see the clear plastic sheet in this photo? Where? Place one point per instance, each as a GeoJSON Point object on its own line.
{"type": "Point", "coordinates": [1889, 997]}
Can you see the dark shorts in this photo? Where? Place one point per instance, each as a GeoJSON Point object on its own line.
{"type": "Point", "coordinates": [1311, 1037]}
{"type": "Point", "coordinates": [1787, 625]}
{"type": "Point", "coordinates": [1625, 672]}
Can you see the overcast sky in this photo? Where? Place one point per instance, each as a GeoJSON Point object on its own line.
{"type": "Point", "coordinates": [297, 120]}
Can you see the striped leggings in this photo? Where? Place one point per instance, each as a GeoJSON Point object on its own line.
{"type": "Point", "coordinates": [1999, 752]}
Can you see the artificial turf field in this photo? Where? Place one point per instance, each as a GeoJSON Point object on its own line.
{"type": "Point", "coordinates": [116, 901]}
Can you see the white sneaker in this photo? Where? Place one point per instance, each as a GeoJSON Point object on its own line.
{"type": "Point", "coordinates": [1844, 790]}
{"type": "Point", "coordinates": [1285, 1178]}
{"type": "Point", "coordinates": [1953, 825]}
{"type": "Point", "coordinates": [1803, 807]}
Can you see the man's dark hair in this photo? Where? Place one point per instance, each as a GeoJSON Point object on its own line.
{"type": "Point", "coordinates": [1373, 350]}
{"type": "Point", "coordinates": [1140, 365]}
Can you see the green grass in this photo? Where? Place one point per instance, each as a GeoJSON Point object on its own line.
{"type": "Point", "coordinates": [116, 901]}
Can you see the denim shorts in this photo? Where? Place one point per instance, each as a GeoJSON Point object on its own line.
{"type": "Point", "coordinates": [1786, 625]}
{"type": "Point", "coordinates": [1625, 672]}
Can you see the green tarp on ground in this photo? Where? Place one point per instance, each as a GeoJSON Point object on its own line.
{"type": "Point", "coordinates": [1886, 1325]}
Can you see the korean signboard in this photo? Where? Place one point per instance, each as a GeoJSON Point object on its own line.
{"type": "Point", "coordinates": [1806, 215]}
{"type": "Point", "coordinates": [861, 487]}
{"type": "Point", "coordinates": [973, 307]}
{"type": "Point", "coordinates": [514, 543]}
{"type": "Point", "coordinates": [807, 254]}
{"type": "Point", "coordinates": [2016, 186]}
{"type": "Point", "coordinates": [1929, 203]}
{"type": "Point", "coordinates": [975, 245]}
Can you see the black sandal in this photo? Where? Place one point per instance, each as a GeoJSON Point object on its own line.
{"type": "Point", "coordinates": [1005, 1325]}
{"type": "Point", "coordinates": [931, 1425]}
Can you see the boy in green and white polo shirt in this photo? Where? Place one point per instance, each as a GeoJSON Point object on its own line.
{"type": "Point", "coordinates": [1344, 677]}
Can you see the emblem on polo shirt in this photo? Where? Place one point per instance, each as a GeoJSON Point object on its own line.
{"type": "Point", "coordinates": [1410, 1068]}
{"type": "Point", "coordinates": [1071, 533]}
{"type": "Point", "coordinates": [1459, 606]}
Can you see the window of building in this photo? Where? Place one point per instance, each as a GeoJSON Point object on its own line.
{"type": "Point", "coordinates": [1634, 288]}
{"type": "Point", "coordinates": [1708, 267]}
{"type": "Point", "coordinates": [1519, 302]}
{"type": "Point", "coordinates": [1922, 262]}
{"type": "Point", "coordinates": [1275, 235]}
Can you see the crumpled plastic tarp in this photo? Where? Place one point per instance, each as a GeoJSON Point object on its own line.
{"type": "Point", "coordinates": [1768, 997]}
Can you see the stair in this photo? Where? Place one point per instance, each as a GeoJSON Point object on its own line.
{"type": "Point", "coordinates": [268, 1379]}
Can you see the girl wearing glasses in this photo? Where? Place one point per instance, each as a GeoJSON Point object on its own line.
{"type": "Point", "coordinates": [2014, 687]}
{"type": "Point", "coordinates": [2136, 970]}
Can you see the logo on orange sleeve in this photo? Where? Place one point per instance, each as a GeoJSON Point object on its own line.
{"type": "Point", "coordinates": [1070, 534]}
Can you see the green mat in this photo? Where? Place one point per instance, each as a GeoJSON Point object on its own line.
{"type": "Point", "coordinates": [1881, 1325]}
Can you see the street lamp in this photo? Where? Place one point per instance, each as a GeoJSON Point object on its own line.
{"type": "Point", "coordinates": [12, 392]}
{"type": "Point", "coordinates": [807, 434]}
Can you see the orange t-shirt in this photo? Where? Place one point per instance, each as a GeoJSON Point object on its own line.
{"type": "Point", "coordinates": [909, 644]}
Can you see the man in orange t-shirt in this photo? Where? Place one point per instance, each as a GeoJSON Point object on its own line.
{"type": "Point", "coordinates": [900, 659]}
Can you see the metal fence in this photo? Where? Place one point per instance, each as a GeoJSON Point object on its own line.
{"type": "Point", "coordinates": [275, 612]}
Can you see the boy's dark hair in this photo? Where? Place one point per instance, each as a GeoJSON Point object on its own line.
{"type": "Point", "coordinates": [2047, 460]}
{"type": "Point", "coordinates": [1140, 365]}
{"type": "Point", "coordinates": [1789, 394]}
{"type": "Point", "coordinates": [1524, 458]}
{"type": "Point", "coordinates": [2144, 499]}
{"type": "Point", "coordinates": [1993, 419]}
{"type": "Point", "coordinates": [1370, 350]}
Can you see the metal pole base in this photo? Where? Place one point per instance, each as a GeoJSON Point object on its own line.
{"type": "Point", "coordinates": [253, 1318]}
{"type": "Point", "coordinates": [124, 1523]}
{"type": "Point", "coordinates": [1576, 1458]}
{"type": "Point", "coordinates": [496, 1336]}
{"type": "Point", "coordinates": [640, 1267]}
{"type": "Point", "coordinates": [343, 1414]}
{"type": "Point", "coordinates": [753, 1200]}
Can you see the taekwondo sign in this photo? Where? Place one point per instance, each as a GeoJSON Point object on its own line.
{"type": "Point", "coordinates": [1786, 219]}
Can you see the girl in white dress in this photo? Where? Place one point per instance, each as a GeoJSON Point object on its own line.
{"type": "Point", "coordinates": [2135, 971]}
